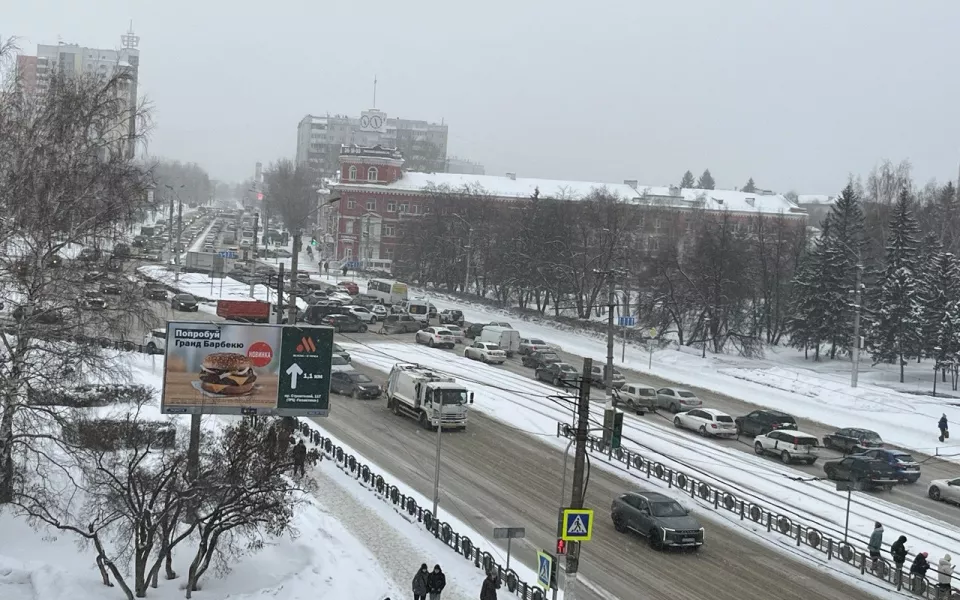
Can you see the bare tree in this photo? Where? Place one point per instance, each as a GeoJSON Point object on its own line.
{"type": "Point", "coordinates": [66, 183]}
{"type": "Point", "coordinates": [291, 192]}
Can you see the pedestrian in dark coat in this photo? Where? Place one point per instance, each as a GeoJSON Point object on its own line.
{"type": "Point", "coordinates": [918, 570]}
{"type": "Point", "coordinates": [490, 586]}
{"type": "Point", "coordinates": [944, 432]}
{"type": "Point", "coordinates": [299, 458]}
{"type": "Point", "coordinates": [421, 583]}
{"type": "Point", "coordinates": [436, 581]}
{"type": "Point", "coordinates": [898, 551]}
{"type": "Point", "coordinates": [876, 543]}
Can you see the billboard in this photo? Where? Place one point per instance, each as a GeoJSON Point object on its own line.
{"type": "Point", "coordinates": [233, 368]}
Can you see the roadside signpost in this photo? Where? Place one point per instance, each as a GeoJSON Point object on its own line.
{"type": "Point", "coordinates": [546, 570]}
{"type": "Point", "coordinates": [509, 534]}
{"type": "Point", "coordinates": [625, 322]}
{"type": "Point", "coordinates": [577, 524]}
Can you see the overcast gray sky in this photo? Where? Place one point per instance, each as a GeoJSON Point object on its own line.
{"type": "Point", "coordinates": [795, 94]}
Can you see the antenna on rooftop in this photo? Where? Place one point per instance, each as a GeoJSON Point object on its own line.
{"type": "Point", "coordinates": [130, 40]}
{"type": "Point", "coordinates": [374, 91]}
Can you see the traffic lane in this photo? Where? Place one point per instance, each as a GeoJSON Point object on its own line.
{"type": "Point", "coordinates": [493, 475]}
{"type": "Point", "coordinates": [911, 496]}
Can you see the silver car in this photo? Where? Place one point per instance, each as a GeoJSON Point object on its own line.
{"type": "Point", "coordinates": [677, 399]}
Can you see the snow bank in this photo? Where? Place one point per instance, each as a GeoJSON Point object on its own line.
{"type": "Point", "coordinates": [212, 288]}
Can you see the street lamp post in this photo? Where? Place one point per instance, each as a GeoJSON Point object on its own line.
{"type": "Point", "coordinates": [706, 329]}
{"type": "Point", "coordinates": [176, 248]}
{"type": "Point", "coordinates": [468, 249]}
{"type": "Point", "coordinates": [855, 368]}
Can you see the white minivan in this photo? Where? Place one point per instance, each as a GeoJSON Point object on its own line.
{"type": "Point", "coordinates": [417, 308]}
{"type": "Point", "coordinates": [508, 339]}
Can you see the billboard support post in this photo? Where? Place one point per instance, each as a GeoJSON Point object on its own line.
{"type": "Point", "coordinates": [193, 452]}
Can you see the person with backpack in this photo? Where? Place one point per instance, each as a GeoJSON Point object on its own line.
{"type": "Point", "coordinates": [421, 583]}
{"type": "Point", "coordinates": [944, 432]}
{"type": "Point", "coordinates": [944, 575]}
{"type": "Point", "coordinates": [299, 458]}
{"type": "Point", "coordinates": [436, 581]}
{"type": "Point", "coordinates": [490, 586]}
{"type": "Point", "coordinates": [918, 570]}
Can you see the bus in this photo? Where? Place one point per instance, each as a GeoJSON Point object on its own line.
{"type": "Point", "coordinates": [387, 291]}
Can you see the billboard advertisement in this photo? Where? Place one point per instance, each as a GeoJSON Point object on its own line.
{"type": "Point", "coordinates": [233, 368]}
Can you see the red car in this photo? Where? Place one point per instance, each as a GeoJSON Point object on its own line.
{"type": "Point", "coordinates": [351, 287]}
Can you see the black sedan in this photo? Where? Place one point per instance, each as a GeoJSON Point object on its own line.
{"type": "Point", "coordinates": [341, 323]}
{"type": "Point", "coordinates": [852, 439]}
{"type": "Point", "coordinates": [110, 287]}
{"type": "Point", "coordinates": [185, 303]}
{"type": "Point", "coordinates": [155, 291]}
{"type": "Point", "coordinates": [352, 383]}
{"type": "Point", "coordinates": [540, 359]}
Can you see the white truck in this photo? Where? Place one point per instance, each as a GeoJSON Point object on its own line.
{"type": "Point", "coordinates": [427, 396]}
{"type": "Point", "coordinates": [508, 339]}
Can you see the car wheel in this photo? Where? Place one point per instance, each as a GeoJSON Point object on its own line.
{"type": "Point", "coordinates": [430, 342]}
{"type": "Point", "coordinates": [556, 381]}
{"type": "Point", "coordinates": [423, 420]}
{"type": "Point", "coordinates": [654, 538]}
{"type": "Point", "coordinates": [785, 457]}
{"type": "Point", "coordinates": [934, 493]}
{"type": "Point", "coordinates": [676, 422]}
{"type": "Point", "coordinates": [483, 358]}
{"type": "Point", "coordinates": [618, 524]}
{"type": "Point", "coordinates": [355, 394]}
{"type": "Point", "coordinates": [151, 347]}
{"type": "Point", "coordinates": [702, 431]}
{"type": "Point", "coordinates": [737, 427]}
{"type": "Point", "coordinates": [396, 407]}
{"type": "Point", "coordinates": [336, 329]}
{"type": "Point", "coordinates": [828, 443]}
{"type": "Point", "coordinates": [811, 461]}
{"type": "Point", "coordinates": [830, 473]}
{"type": "Point", "coordinates": [363, 329]}
{"type": "Point", "coordinates": [758, 448]}
{"type": "Point", "coordinates": [674, 408]}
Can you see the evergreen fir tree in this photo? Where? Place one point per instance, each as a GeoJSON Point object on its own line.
{"type": "Point", "coordinates": [688, 181]}
{"type": "Point", "coordinates": [706, 181]}
{"type": "Point", "coordinates": [751, 187]}
{"type": "Point", "coordinates": [941, 277]}
{"type": "Point", "coordinates": [947, 349]}
{"type": "Point", "coordinates": [898, 308]}
{"type": "Point", "coordinates": [816, 294]}
{"type": "Point", "coordinates": [845, 224]}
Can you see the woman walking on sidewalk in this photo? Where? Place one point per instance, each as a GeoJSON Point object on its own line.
{"type": "Point", "coordinates": [421, 582]}
{"type": "Point", "coordinates": [436, 581]}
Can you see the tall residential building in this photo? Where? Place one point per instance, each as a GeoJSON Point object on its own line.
{"type": "Point", "coordinates": [73, 59]}
{"type": "Point", "coordinates": [319, 139]}
{"type": "Point", "coordinates": [464, 166]}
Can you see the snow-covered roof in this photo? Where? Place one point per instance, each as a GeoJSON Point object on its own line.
{"type": "Point", "coordinates": [524, 187]}
{"type": "Point", "coordinates": [815, 199]}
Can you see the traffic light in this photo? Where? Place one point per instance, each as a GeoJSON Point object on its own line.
{"type": "Point", "coordinates": [561, 546]}
{"type": "Point", "coordinates": [313, 241]}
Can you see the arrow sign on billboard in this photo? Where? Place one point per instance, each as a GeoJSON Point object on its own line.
{"type": "Point", "coordinates": [294, 371]}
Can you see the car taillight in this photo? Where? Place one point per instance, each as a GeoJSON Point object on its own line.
{"type": "Point", "coordinates": [776, 426]}
{"type": "Point", "coordinates": [713, 425]}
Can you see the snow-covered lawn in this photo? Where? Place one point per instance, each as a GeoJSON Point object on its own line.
{"type": "Point", "coordinates": [212, 288]}
{"type": "Point", "coordinates": [523, 403]}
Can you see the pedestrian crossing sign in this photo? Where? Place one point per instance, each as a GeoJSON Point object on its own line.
{"type": "Point", "coordinates": [544, 569]}
{"type": "Point", "coordinates": [577, 524]}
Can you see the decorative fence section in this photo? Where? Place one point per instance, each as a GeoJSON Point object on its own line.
{"type": "Point", "coordinates": [403, 503]}
{"type": "Point", "coordinates": [777, 525]}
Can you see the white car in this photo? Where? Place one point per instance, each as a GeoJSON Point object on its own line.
{"type": "Point", "coordinates": [676, 399]}
{"type": "Point", "coordinates": [244, 242]}
{"type": "Point", "coordinates": [789, 445]}
{"type": "Point", "coordinates": [457, 333]}
{"type": "Point", "coordinates": [707, 421]}
{"type": "Point", "coordinates": [436, 336]}
{"type": "Point", "coordinates": [339, 363]}
{"type": "Point", "coordinates": [155, 342]}
{"type": "Point", "coordinates": [340, 296]}
{"type": "Point", "coordinates": [361, 313]}
{"type": "Point", "coordinates": [487, 352]}
{"type": "Point", "coordinates": [380, 311]}
{"type": "Point", "coordinates": [947, 490]}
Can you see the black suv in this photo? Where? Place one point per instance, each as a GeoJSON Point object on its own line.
{"type": "Point", "coordinates": [402, 324]}
{"type": "Point", "coordinates": [540, 359]}
{"type": "Point", "coordinates": [184, 302]}
{"type": "Point", "coordinates": [474, 330]}
{"type": "Point", "coordinates": [863, 472]}
{"type": "Point", "coordinates": [352, 383]}
{"type": "Point", "coordinates": [661, 519]}
{"type": "Point", "coordinates": [315, 313]}
{"type": "Point", "coordinates": [348, 323]}
{"type": "Point", "coordinates": [851, 439]}
{"type": "Point", "coordinates": [762, 422]}
{"type": "Point", "coordinates": [155, 291]}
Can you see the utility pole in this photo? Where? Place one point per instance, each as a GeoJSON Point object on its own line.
{"type": "Point", "coordinates": [253, 256]}
{"type": "Point", "coordinates": [854, 373]}
{"type": "Point", "coordinates": [579, 463]}
{"type": "Point", "coordinates": [279, 295]}
{"type": "Point", "coordinates": [294, 261]}
{"type": "Point", "coordinates": [469, 249]}
{"type": "Point", "coordinates": [611, 331]}
{"type": "Point", "coordinates": [176, 249]}
{"type": "Point", "coordinates": [436, 471]}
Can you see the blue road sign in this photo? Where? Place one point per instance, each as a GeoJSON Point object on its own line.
{"type": "Point", "coordinates": [544, 569]}
{"type": "Point", "coordinates": [577, 524]}
{"type": "Point", "coordinates": [626, 321]}
{"type": "Point", "coordinates": [227, 254]}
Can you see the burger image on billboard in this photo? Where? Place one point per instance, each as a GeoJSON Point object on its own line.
{"type": "Point", "coordinates": [227, 374]}
{"type": "Point", "coordinates": [221, 368]}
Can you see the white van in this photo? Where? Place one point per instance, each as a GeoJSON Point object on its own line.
{"type": "Point", "coordinates": [417, 308]}
{"type": "Point", "coordinates": [508, 339]}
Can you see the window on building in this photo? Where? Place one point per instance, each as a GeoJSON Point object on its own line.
{"type": "Point", "coordinates": [404, 207]}
{"type": "Point", "coordinates": [389, 230]}
{"type": "Point", "coordinates": [348, 253]}
{"type": "Point", "coordinates": [351, 203]}
{"type": "Point", "coordinates": [656, 224]}
{"type": "Point", "coordinates": [427, 209]}
{"type": "Point", "coordinates": [348, 227]}
{"type": "Point", "coordinates": [391, 207]}
{"type": "Point", "coordinates": [416, 209]}
{"type": "Point", "coordinates": [388, 253]}
{"type": "Point", "coordinates": [372, 174]}
{"type": "Point", "coordinates": [655, 244]}
{"type": "Point", "coordinates": [352, 174]}
{"type": "Point", "coordinates": [371, 205]}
